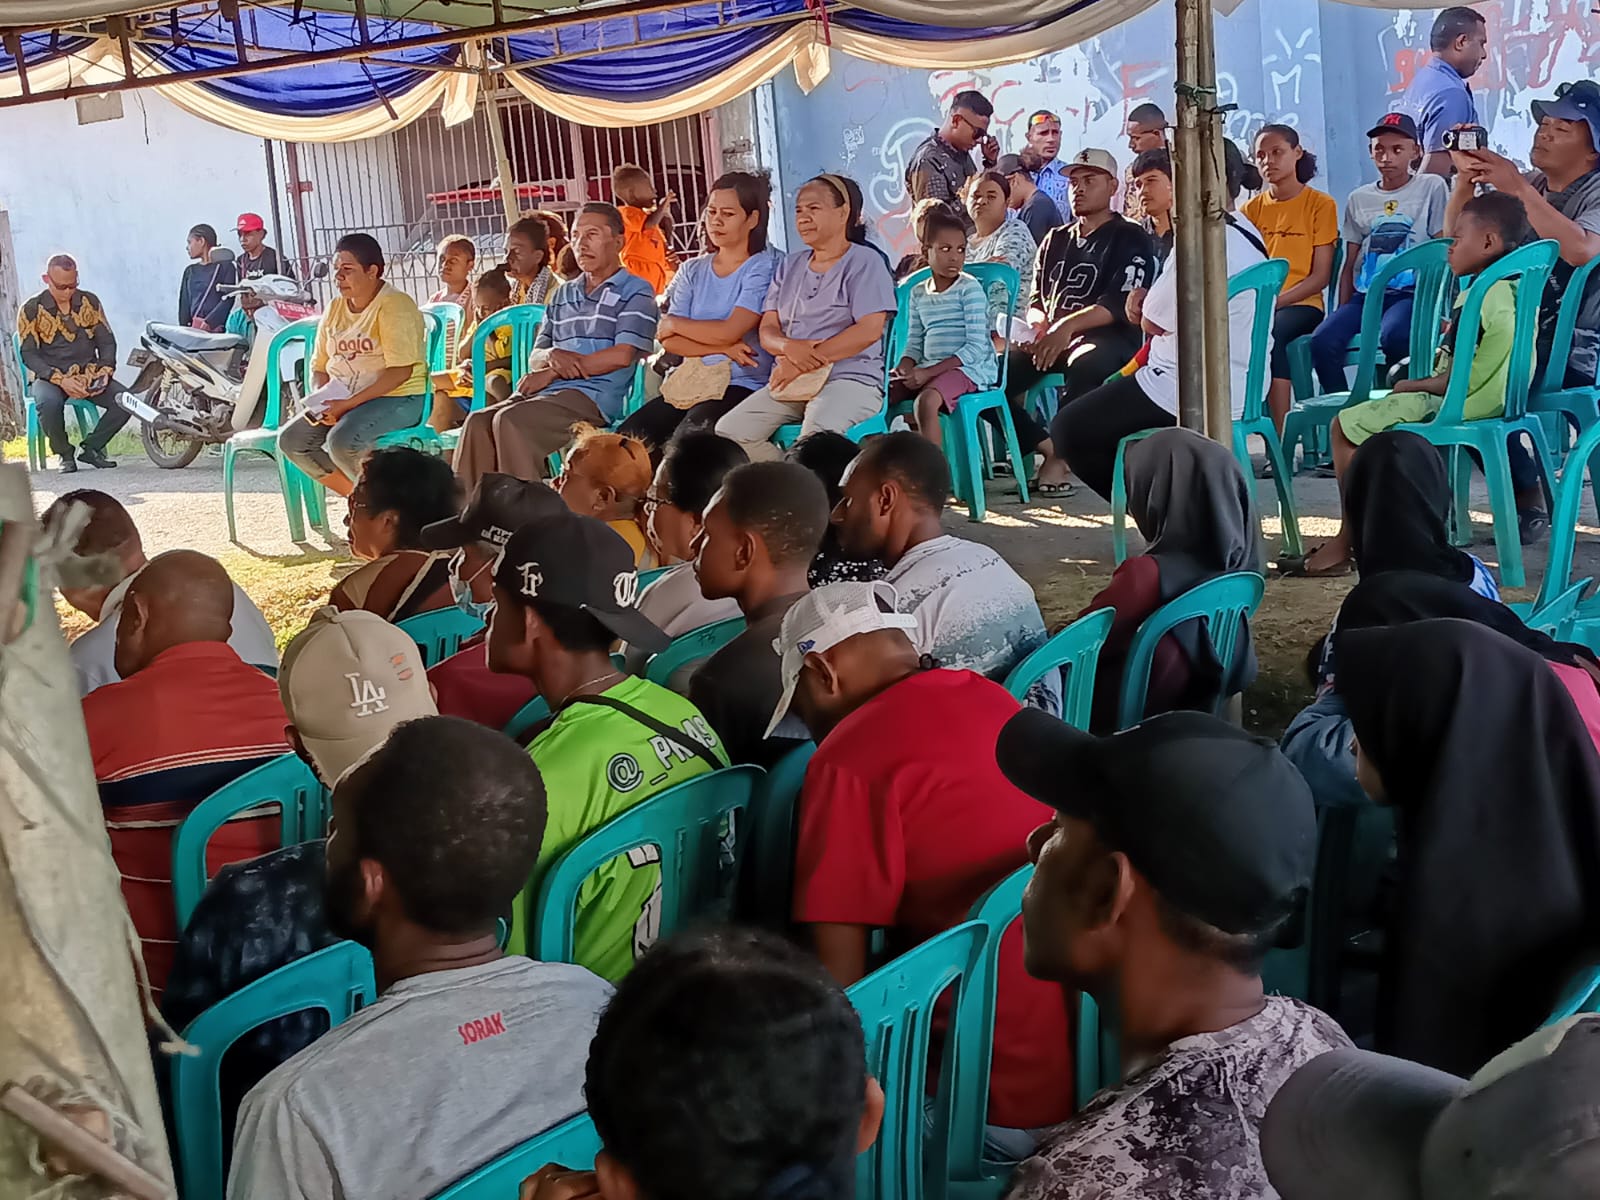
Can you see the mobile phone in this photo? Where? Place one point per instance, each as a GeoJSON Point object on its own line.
{"type": "Point", "coordinates": [1467, 139]}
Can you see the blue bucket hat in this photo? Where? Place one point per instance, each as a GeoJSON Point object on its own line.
{"type": "Point", "coordinates": [1574, 102]}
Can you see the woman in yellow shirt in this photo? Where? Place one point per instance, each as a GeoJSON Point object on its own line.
{"type": "Point", "coordinates": [368, 370]}
{"type": "Point", "coordinates": [1300, 225]}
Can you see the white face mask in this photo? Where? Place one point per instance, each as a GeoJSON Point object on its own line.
{"type": "Point", "coordinates": [461, 589]}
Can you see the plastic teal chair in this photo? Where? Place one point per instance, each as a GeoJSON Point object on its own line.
{"type": "Point", "coordinates": [1224, 603]}
{"type": "Point", "coordinates": [896, 1005]}
{"type": "Point", "coordinates": [85, 412]}
{"type": "Point", "coordinates": [1566, 409]}
{"type": "Point", "coordinates": [1302, 376]}
{"type": "Point", "coordinates": [524, 321]}
{"type": "Point", "coordinates": [1581, 995]}
{"type": "Point", "coordinates": [766, 875]}
{"type": "Point", "coordinates": [646, 578]}
{"type": "Point", "coordinates": [1583, 625]}
{"type": "Point", "coordinates": [439, 634]}
{"type": "Point", "coordinates": [435, 353]}
{"type": "Point", "coordinates": [1035, 398]}
{"type": "Point", "coordinates": [573, 1143]}
{"type": "Point", "coordinates": [442, 344]}
{"type": "Point", "coordinates": [1433, 285]}
{"type": "Point", "coordinates": [691, 647]}
{"type": "Point", "coordinates": [962, 435]}
{"type": "Point", "coordinates": [337, 980]}
{"type": "Point", "coordinates": [1557, 617]}
{"type": "Point", "coordinates": [1528, 269]}
{"type": "Point", "coordinates": [685, 823]}
{"type": "Point", "coordinates": [301, 494]}
{"type": "Point", "coordinates": [1076, 651]}
{"type": "Point", "coordinates": [972, 1177]}
{"type": "Point", "coordinates": [528, 716]}
{"type": "Point", "coordinates": [285, 781]}
{"type": "Point", "coordinates": [1265, 279]}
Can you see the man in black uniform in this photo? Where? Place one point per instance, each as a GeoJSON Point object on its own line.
{"type": "Point", "coordinates": [1080, 305]}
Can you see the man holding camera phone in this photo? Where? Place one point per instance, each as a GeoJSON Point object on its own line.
{"type": "Point", "coordinates": [1562, 196]}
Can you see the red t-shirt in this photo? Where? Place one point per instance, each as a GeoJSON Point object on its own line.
{"type": "Point", "coordinates": [1135, 593]}
{"type": "Point", "coordinates": [905, 821]}
{"type": "Point", "coordinates": [463, 686]}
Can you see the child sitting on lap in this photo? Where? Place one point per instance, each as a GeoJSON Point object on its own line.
{"type": "Point", "coordinates": [948, 352]}
{"type": "Point", "coordinates": [1490, 227]}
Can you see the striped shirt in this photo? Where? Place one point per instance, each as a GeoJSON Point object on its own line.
{"type": "Point", "coordinates": [952, 323]}
{"type": "Point", "coordinates": [196, 717]}
{"type": "Point", "coordinates": [621, 311]}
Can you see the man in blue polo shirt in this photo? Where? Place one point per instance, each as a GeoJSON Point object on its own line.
{"type": "Point", "coordinates": [594, 331]}
{"type": "Point", "coordinates": [1439, 97]}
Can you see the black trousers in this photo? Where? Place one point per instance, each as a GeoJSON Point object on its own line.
{"type": "Point", "coordinates": [656, 421]}
{"type": "Point", "coordinates": [52, 402]}
{"type": "Point", "coordinates": [1086, 432]}
{"type": "Point", "coordinates": [1289, 324]}
{"type": "Point", "coordinates": [1085, 368]}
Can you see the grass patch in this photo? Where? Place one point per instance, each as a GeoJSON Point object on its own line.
{"type": "Point", "coordinates": [126, 442]}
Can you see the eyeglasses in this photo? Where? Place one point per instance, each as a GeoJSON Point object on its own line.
{"type": "Point", "coordinates": [1039, 118]}
{"type": "Point", "coordinates": [980, 130]}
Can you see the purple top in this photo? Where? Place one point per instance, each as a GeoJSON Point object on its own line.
{"type": "Point", "coordinates": [813, 306]}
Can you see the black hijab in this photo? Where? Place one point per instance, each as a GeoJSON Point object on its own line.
{"type": "Point", "coordinates": [1196, 511]}
{"type": "Point", "coordinates": [1396, 501]}
{"type": "Point", "coordinates": [1496, 787]}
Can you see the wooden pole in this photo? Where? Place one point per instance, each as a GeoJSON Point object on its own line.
{"type": "Point", "coordinates": [497, 139]}
{"type": "Point", "coordinates": [1214, 244]}
{"type": "Point", "coordinates": [10, 301]}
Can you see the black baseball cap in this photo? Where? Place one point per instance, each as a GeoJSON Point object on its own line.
{"type": "Point", "coordinates": [1396, 122]}
{"type": "Point", "coordinates": [1009, 164]}
{"type": "Point", "coordinates": [498, 507]}
{"type": "Point", "coordinates": [1219, 822]}
{"type": "Point", "coordinates": [581, 563]}
{"type": "Point", "coordinates": [1527, 1125]}
{"type": "Point", "coordinates": [1574, 102]}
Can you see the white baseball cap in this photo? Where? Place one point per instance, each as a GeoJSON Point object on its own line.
{"type": "Point", "coordinates": [347, 679]}
{"type": "Point", "coordinates": [1094, 160]}
{"type": "Point", "coordinates": [821, 619]}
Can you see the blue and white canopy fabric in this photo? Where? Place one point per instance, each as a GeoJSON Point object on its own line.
{"type": "Point", "coordinates": [617, 67]}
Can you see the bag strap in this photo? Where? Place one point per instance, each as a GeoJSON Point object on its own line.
{"type": "Point", "coordinates": [1248, 236]}
{"type": "Point", "coordinates": [676, 737]}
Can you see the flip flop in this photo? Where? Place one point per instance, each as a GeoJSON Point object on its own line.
{"type": "Point", "coordinates": [1058, 491]}
{"type": "Point", "coordinates": [1295, 568]}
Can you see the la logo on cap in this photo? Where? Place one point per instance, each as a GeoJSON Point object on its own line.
{"type": "Point", "coordinates": [366, 697]}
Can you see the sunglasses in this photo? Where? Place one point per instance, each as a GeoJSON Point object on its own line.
{"type": "Point", "coordinates": [1041, 118]}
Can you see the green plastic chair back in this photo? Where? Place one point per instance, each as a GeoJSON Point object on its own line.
{"type": "Point", "coordinates": [685, 823]}
{"type": "Point", "coordinates": [1224, 603]}
{"type": "Point", "coordinates": [1265, 280]}
{"type": "Point", "coordinates": [1564, 515]}
{"type": "Point", "coordinates": [302, 496]}
{"type": "Point", "coordinates": [1076, 652]}
{"type": "Point", "coordinates": [573, 1143]}
{"type": "Point", "coordinates": [86, 412]}
{"type": "Point", "coordinates": [691, 647]}
{"type": "Point", "coordinates": [439, 634]}
{"type": "Point", "coordinates": [1556, 617]}
{"type": "Point", "coordinates": [1529, 267]}
{"type": "Point", "coordinates": [441, 344]}
{"type": "Point", "coordinates": [766, 875]}
{"type": "Point", "coordinates": [337, 980]}
{"type": "Point", "coordinates": [646, 578]}
{"type": "Point", "coordinates": [1555, 371]}
{"type": "Point", "coordinates": [529, 715]}
{"type": "Point", "coordinates": [304, 333]}
{"type": "Point", "coordinates": [896, 1004]}
{"type": "Point", "coordinates": [1581, 995]}
{"type": "Point", "coordinates": [285, 781]}
{"type": "Point", "coordinates": [524, 321]}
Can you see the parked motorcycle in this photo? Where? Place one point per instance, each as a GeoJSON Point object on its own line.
{"type": "Point", "coordinates": [197, 388]}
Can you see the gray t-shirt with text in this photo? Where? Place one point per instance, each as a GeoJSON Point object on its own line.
{"type": "Point", "coordinates": [444, 1073]}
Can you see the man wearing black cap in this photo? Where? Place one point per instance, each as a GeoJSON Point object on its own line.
{"type": "Point", "coordinates": [1525, 1127]}
{"type": "Point", "coordinates": [463, 685]}
{"type": "Point", "coordinates": [1562, 197]}
{"type": "Point", "coordinates": [1179, 850]}
{"type": "Point", "coordinates": [565, 590]}
{"type": "Point", "coordinates": [1032, 204]}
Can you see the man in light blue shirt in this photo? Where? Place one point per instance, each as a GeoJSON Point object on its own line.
{"type": "Point", "coordinates": [1043, 135]}
{"type": "Point", "coordinates": [1439, 97]}
{"type": "Point", "coordinates": [595, 329]}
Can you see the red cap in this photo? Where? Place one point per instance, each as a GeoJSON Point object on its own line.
{"type": "Point", "coordinates": [250, 223]}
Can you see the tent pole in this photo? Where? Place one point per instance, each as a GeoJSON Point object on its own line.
{"type": "Point", "coordinates": [497, 139]}
{"type": "Point", "coordinates": [1189, 211]}
{"type": "Point", "coordinates": [1214, 233]}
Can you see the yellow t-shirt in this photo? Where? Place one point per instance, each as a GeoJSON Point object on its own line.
{"type": "Point", "coordinates": [1293, 229]}
{"type": "Point", "coordinates": [354, 347]}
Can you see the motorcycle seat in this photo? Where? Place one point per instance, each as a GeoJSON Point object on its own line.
{"type": "Point", "coordinates": [196, 341]}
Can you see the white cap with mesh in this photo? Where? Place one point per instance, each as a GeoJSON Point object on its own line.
{"type": "Point", "coordinates": [821, 619]}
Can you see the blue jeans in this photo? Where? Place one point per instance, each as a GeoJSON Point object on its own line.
{"type": "Point", "coordinates": [321, 450]}
{"type": "Point", "coordinates": [1331, 342]}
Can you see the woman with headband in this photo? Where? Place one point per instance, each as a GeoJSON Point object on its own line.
{"type": "Point", "coordinates": [823, 323]}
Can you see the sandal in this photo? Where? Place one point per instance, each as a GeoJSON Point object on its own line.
{"type": "Point", "coordinates": [1060, 491]}
{"type": "Point", "coordinates": [1295, 568]}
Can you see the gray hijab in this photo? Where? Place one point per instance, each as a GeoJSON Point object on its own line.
{"type": "Point", "coordinates": [1196, 511]}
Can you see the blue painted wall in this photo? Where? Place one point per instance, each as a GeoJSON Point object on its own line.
{"type": "Point", "coordinates": [1329, 69]}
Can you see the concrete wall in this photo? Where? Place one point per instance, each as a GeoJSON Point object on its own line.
{"type": "Point", "coordinates": [121, 195]}
{"type": "Point", "coordinates": [1329, 69]}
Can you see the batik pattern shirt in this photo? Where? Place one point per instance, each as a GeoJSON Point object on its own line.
{"type": "Point", "coordinates": [56, 344]}
{"type": "Point", "coordinates": [1187, 1125]}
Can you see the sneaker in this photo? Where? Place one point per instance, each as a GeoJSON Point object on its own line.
{"type": "Point", "coordinates": [1533, 526]}
{"type": "Point", "coordinates": [96, 458]}
{"type": "Point", "coordinates": [69, 465]}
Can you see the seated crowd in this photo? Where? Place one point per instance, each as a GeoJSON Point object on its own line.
{"type": "Point", "coordinates": [873, 657]}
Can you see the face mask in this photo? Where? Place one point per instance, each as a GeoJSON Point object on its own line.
{"type": "Point", "coordinates": [461, 591]}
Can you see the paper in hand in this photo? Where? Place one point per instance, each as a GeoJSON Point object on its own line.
{"type": "Point", "coordinates": [317, 402]}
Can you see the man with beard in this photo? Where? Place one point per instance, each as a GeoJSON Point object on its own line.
{"type": "Point", "coordinates": [467, 1050]}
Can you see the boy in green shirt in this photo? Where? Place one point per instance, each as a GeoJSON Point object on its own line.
{"type": "Point", "coordinates": [1490, 227]}
{"type": "Point", "coordinates": [565, 590]}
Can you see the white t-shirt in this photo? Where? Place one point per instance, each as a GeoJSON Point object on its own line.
{"type": "Point", "coordinates": [1159, 377]}
{"type": "Point", "coordinates": [94, 653]}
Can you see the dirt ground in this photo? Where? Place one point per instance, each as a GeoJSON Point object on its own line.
{"type": "Point", "coordinates": [1062, 547]}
